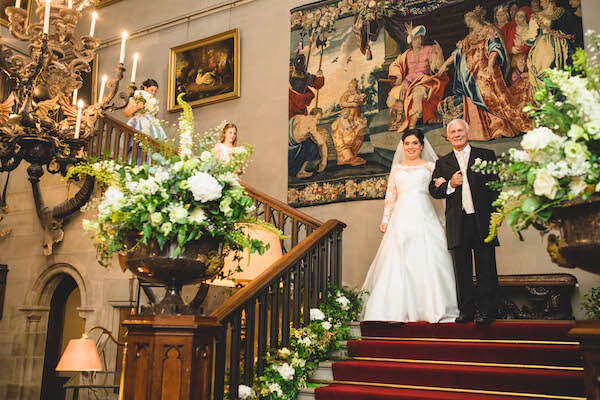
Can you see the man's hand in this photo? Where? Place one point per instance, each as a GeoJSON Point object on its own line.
{"type": "Point", "coordinates": [383, 227]}
{"type": "Point", "coordinates": [457, 179]}
{"type": "Point", "coordinates": [439, 181]}
{"type": "Point", "coordinates": [319, 74]}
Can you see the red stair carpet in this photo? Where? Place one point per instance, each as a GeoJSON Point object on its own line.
{"type": "Point", "coordinates": [508, 360]}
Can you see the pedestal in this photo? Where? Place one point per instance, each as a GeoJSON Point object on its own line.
{"type": "Point", "coordinates": [169, 357]}
{"type": "Point", "coordinates": [588, 334]}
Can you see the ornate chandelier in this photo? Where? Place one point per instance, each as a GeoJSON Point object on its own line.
{"type": "Point", "coordinates": [41, 122]}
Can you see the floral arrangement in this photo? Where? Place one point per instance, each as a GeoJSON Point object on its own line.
{"type": "Point", "coordinates": [289, 368]}
{"type": "Point", "coordinates": [180, 198]}
{"type": "Point", "coordinates": [150, 102]}
{"type": "Point", "coordinates": [372, 10]}
{"type": "Point", "coordinates": [560, 157]}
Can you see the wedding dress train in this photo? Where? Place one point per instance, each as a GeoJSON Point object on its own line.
{"type": "Point", "coordinates": [412, 277]}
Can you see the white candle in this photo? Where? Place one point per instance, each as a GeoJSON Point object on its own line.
{"type": "Point", "coordinates": [70, 4]}
{"type": "Point", "coordinates": [78, 123]}
{"type": "Point", "coordinates": [123, 40]}
{"type": "Point", "coordinates": [93, 26]}
{"type": "Point", "coordinates": [101, 96]}
{"type": "Point", "coordinates": [75, 96]}
{"type": "Point", "coordinates": [47, 17]}
{"type": "Point", "coordinates": [134, 69]}
{"type": "Point", "coordinates": [18, 3]}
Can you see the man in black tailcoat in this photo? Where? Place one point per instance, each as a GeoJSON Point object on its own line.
{"type": "Point", "coordinates": [468, 208]}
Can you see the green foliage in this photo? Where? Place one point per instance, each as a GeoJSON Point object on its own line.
{"type": "Point", "coordinates": [591, 303]}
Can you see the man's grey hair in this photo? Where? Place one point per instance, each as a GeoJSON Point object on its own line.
{"type": "Point", "coordinates": [458, 120]}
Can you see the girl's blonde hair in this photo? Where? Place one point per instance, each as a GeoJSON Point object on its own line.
{"type": "Point", "coordinates": [227, 126]}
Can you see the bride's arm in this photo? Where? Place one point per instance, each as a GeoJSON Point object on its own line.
{"type": "Point", "coordinates": [391, 196]}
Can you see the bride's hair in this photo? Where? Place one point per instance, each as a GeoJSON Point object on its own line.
{"type": "Point", "coordinates": [414, 132]}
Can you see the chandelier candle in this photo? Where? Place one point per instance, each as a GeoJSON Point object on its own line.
{"type": "Point", "coordinates": [18, 4]}
{"type": "Point", "coordinates": [75, 96]}
{"type": "Point", "coordinates": [134, 69]}
{"type": "Point", "coordinates": [93, 25]}
{"type": "Point", "coordinates": [123, 40]}
{"type": "Point", "coordinates": [78, 123]}
{"type": "Point", "coordinates": [70, 4]}
{"type": "Point", "coordinates": [47, 17]}
{"type": "Point", "coordinates": [101, 96]}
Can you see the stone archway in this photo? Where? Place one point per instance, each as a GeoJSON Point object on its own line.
{"type": "Point", "coordinates": [29, 342]}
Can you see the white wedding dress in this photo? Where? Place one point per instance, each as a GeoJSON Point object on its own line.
{"type": "Point", "coordinates": [411, 278]}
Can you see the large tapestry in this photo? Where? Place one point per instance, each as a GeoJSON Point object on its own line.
{"type": "Point", "coordinates": [364, 71]}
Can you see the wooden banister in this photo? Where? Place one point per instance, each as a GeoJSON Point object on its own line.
{"type": "Point", "coordinates": [261, 281]}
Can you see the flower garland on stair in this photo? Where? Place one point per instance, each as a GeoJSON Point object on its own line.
{"type": "Point", "coordinates": [289, 368]}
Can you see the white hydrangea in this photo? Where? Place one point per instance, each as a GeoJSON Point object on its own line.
{"type": "Point", "coordinates": [177, 213]}
{"type": "Point", "coordinates": [344, 302]}
{"type": "Point", "coordinates": [245, 392]}
{"type": "Point", "coordinates": [113, 195]}
{"type": "Point", "coordinates": [326, 325]}
{"type": "Point", "coordinates": [204, 187]}
{"type": "Point", "coordinates": [298, 362]}
{"type": "Point", "coordinates": [285, 370]}
{"type": "Point", "coordinates": [539, 139]}
{"type": "Point", "coordinates": [316, 314]}
{"type": "Point", "coordinates": [161, 175]}
{"type": "Point", "coordinates": [198, 215]}
{"type": "Point", "coordinates": [305, 341]}
{"type": "Point", "coordinates": [148, 186]}
{"type": "Point", "coordinates": [275, 388]}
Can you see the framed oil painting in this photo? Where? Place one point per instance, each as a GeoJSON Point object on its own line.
{"type": "Point", "coordinates": [25, 4]}
{"type": "Point", "coordinates": [207, 70]}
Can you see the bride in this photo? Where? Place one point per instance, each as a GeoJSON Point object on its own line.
{"type": "Point", "coordinates": [412, 277]}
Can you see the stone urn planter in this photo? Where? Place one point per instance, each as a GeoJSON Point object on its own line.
{"type": "Point", "coordinates": [578, 245]}
{"type": "Point", "coordinates": [201, 260]}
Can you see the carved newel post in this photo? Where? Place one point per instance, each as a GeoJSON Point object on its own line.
{"type": "Point", "coordinates": [169, 357]}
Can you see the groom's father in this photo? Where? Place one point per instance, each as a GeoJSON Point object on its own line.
{"type": "Point", "coordinates": [468, 208]}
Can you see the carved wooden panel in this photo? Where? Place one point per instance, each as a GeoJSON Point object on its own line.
{"type": "Point", "coordinates": [171, 372]}
{"type": "Point", "coordinates": [142, 371]}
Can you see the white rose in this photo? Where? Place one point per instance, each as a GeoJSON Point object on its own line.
{"type": "Point", "coordinates": [178, 166]}
{"type": "Point", "coordinates": [198, 215]}
{"type": "Point", "coordinates": [575, 151]}
{"type": "Point", "coordinates": [275, 388]}
{"type": "Point", "coordinates": [204, 187]}
{"type": "Point", "coordinates": [545, 185]}
{"type": "Point", "coordinates": [326, 325]}
{"type": "Point", "coordinates": [177, 213]}
{"type": "Point", "coordinates": [316, 314]}
{"type": "Point", "coordinates": [538, 139]}
{"type": "Point", "coordinates": [284, 353]}
{"type": "Point", "coordinates": [156, 218]}
{"type": "Point", "coordinates": [593, 128]}
{"type": "Point", "coordinates": [577, 185]}
{"type": "Point", "coordinates": [245, 392]}
{"type": "Point", "coordinates": [285, 370]}
{"type": "Point", "coordinates": [576, 132]}
{"type": "Point", "coordinates": [205, 156]}
{"type": "Point", "coordinates": [166, 228]}
{"type": "Point", "coordinates": [344, 302]}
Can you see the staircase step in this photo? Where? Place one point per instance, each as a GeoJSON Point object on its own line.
{"type": "Point", "coordinates": [522, 380]}
{"type": "Point", "coordinates": [501, 330]}
{"type": "Point", "coordinates": [505, 353]}
{"type": "Point", "coordinates": [349, 391]}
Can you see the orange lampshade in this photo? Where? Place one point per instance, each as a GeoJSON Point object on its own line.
{"type": "Point", "coordinates": [258, 263]}
{"type": "Point", "coordinates": [80, 355]}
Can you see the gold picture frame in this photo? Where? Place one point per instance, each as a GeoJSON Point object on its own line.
{"type": "Point", "coordinates": [207, 70]}
{"type": "Point", "coordinates": [25, 4]}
